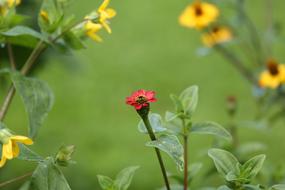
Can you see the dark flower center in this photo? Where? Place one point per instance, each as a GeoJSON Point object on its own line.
{"type": "Point", "coordinates": [198, 10]}
{"type": "Point", "coordinates": [141, 99]}
{"type": "Point", "coordinates": [215, 29]}
{"type": "Point", "coordinates": [272, 67]}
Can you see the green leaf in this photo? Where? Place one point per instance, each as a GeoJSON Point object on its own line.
{"type": "Point", "coordinates": [223, 188]}
{"type": "Point", "coordinates": [48, 176]}
{"type": "Point", "coordinates": [37, 98]}
{"type": "Point", "coordinates": [224, 161]}
{"type": "Point", "coordinates": [177, 103]}
{"type": "Point", "coordinates": [278, 187]}
{"type": "Point", "coordinates": [189, 98]}
{"type": "Point", "coordinates": [211, 128]}
{"type": "Point", "coordinates": [22, 35]}
{"type": "Point", "coordinates": [124, 178]}
{"type": "Point", "coordinates": [171, 145]}
{"type": "Point", "coordinates": [193, 170]}
{"type": "Point", "coordinates": [155, 122]}
{"type": "Point", "coordinates": [251, 168]}
{"type": "Point", "coordinates": [28, 155]}
{"type": "Point", "coordinates": [250, 148]}
{"type": "Point", "coordinates": [105, 182]}
{"type": "Point", "coordinates": [174, 187]}
{"type": "Point", "coordinates": [73, 41]}
{"type": "Point", "coordinates": [251, 187]}
{"type": "Point", "coordinates": [174, 123]}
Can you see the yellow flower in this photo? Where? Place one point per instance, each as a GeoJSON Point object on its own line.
{"type": "Point", "coordinates": [198, 15]}
{"type": "Point", "coordinates": [12, 3]}
{"type": "Point", "coordinates": [8, 4]}
{"type": "Point", "coordinates": [274, 76]}
{"type": "Point", "coordinates": [91, 30]}
{"type": "Point", "coordinates": [10, 147]}
{"type": "Point", "coordinates": [105, 14]}
{"type": "Point", "coordinates": [44, 15]}
{"type": "Point", "coordinates": [217, 35]}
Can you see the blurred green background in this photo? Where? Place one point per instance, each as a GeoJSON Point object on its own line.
{"type": "Point", "coordinates": [148, 49]}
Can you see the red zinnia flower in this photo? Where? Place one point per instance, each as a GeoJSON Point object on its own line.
{"type": "Point", "coordinates": [141, 98]}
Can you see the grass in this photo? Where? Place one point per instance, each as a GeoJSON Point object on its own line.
{"type": "Point", "coordinates": [148, 49]}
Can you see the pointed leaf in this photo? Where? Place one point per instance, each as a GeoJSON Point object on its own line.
{"type": "Point", "coordinates": [37, 98]}
{"type": "Point", "coordinates": [189, 98]}
{"type": "Point", "coordinates": [211, 128]}
{"type": "Point", "coordinates": [124, 178]}
{"type": "Point", "coordinates": [171, 145]}
{"type": "Point", "coordinates": [48, 176]}
{"type": "Point", "coordinates": [251, 168]}
{"type": "Point", "coordinates": [155, 122]}
{"type": "Point", "coordinates": [105, 182]}
{"type": "Point", "coordinates": [28, 155]}
{"type": "Point", "coordinates": [224, 161]}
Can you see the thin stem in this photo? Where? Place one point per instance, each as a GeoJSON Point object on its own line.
{"type": "Point", "coordinates": [7, 102]}
{"type": "Point", "coordinates": [15, 179]}
{"type": "Point", "coordinates": [236, 63]}
{"type": "Point", "coordinates": [11, 56]}
{"type": "Point", "coordinates": [153, 138]}
{"type": "Point", "coordinates": [185, 138]}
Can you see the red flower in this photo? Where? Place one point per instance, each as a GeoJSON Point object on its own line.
{"type": "Point", "coordinates": [141, 98]}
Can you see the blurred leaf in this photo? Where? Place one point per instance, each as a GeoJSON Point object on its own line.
{"type": "Point", "coordinates": [174, 123]}
{"type": "Point", "coordinates": [122, 182]}
{"type": "Point", "coordinates": [37, 97]}
{"type": "Point", "coordinates": [26, 186]}
{"type": "Point", "coordinates": [177, 103]}
{"type": "Point", "coordinates": [193, 170]}
{"type": "Point", "coordinates": [48, 176]}
{"type": "Point", "coordinates": [171, 145]}
{"type": "Point", "coordinates": [251, 187]}
{"type": "Point", "coordinates": [105, 182]}
{"type": "Point", "coordinates": [155, 122]}
{"type": "Point", "coordinates": [169, 116]}
{"type": "Point", "coordinates": [174, 187]}
{"type": "Point", "coordinates": [223, 188]}
{"type": "Point", "coordinates": [28, 155]}
{"type": "Point", "coordinates": [124, 178]}
{"type": "Point", "coordinates": [211, 128]}
{"type": "Point", "coordinates": [249, 148]}
{"type": "Point", "coordinates": [73, 41]}
{"type": "Point", "coordinates": [278, 187]}
{"type": "Point", "coordinates": [251, 168]}
{"type": "Point", "coordinates": [22, 35]}
{"type": "Point", "coordinates": [224, 161]}
{"type": "Point", "coordinates": [189, 100]}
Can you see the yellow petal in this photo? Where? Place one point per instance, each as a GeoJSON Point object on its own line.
{"type": "Point", "coordinates": [104, 5]}
{"type": "Point", "coordinates": [16, 149]}
{"type": "Point", "coordinates": [7, 150]}
{"type": "Point", "coordinates": [22, 139]}
{"type": "Point", "coordinates": [267, 80]}
{"type": "Point", "coordinates": [111, 13]}
{"type": "Point", "coordinates": [107, 27]}
{"type": "Point", "coordinates": [95, 37]}
{"type": "Point", "coordinates": [2, 161]}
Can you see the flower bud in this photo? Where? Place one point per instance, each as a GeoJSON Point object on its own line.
{"type": "Point", "coordinates": [63, 157]}
{"type": "Point", "coordinates": [231, 105]}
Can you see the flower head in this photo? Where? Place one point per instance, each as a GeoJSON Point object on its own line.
{"type": "Point", "coordinates": [198, 15]}
{"type": "Point", "coordinates": [105, 14]}
{"type": "Point", "coordinates": [216, 36]}
{"type": "Point", "coordinates": [91, 30]}
{"type": "Point", "coordinates": [274, 76]}
{"type": "Point", "coordinates": [10, 147]}
{"type": "Point", "coordinates": [141, 98]}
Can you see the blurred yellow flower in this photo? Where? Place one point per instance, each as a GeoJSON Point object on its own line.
{"type": "Point", "coordinates": [12, 3]}
{"type": "Point", "coordinates": [10, 148]}
{"type": "Point", "coordinates": [105, 14]}
{"type": "Point", "coordinates": [217, 35]}
{"type": "Point", "coordinates": [44, 15]}
{"type": "Point", "coordinates": [274, 76]}
{"type": "Point", "coordinates": [198, 15]}
{"type": "Point", "coordinates": [91, 30]}
{"type": "Point", "coordinates": [5, 5]}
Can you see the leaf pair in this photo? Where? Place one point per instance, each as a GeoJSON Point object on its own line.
{"type": "Point", "coordinates": [122, 181]}
{"type": "Point", "coordinates": [230, 168]}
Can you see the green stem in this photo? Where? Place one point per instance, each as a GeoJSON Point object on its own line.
{"type": "Point", "coordinates": [15, 179]}
{"type": "Point", "coordinates": [185, 138]}
{"type": "Point", "coordinates": [153, 138]}
{"type": "Point", "coordinates": [236, 63]}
